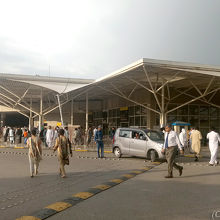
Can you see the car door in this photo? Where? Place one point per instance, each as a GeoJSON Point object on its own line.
{"type": "Point", "coordinates": [124, 139]}
{"type": "Point", "coordinates": [138, 146]}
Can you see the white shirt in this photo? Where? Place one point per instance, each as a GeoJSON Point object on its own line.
{"type": "Point", "coordinates": [214, 138]}
{"type": "Point", "coordinates": [182, 137]}
{"type": "Point", "coordinates": [94, 131]}
{"type": "Point", "coordinates": [11, 133]}
{"type": "Point", "coordinates": [173, 140]}
{"type": "Point", "coordinates": [49, 135]}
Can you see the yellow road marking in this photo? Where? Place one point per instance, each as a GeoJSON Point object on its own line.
{"type": "Point", "coordinates": [102, 187]}
{"type": "Point", "coordinates": [137, 171]}
{"type": "Point", "coordinates": [59, 206]}
{"type": "Point", "coordinates": [83, 195]}
{"type": "Point", "coordinates": [2, 146]}
{"type": "Point", "coordinates": [128, 175]}
{"type": "Point", "coordinates": [146, 168]}
{"type": "Point", "coordinates": [28, 218]}
{"type": "Point", "coordinates": [19, 147]}
{"type": "Point", "coordinates": [116, 181]}
{"type": "Point", "coordinates": [156, 162]}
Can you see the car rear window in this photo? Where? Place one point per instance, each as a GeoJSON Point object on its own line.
{"type": "Point", "coordinates": [125, 133]}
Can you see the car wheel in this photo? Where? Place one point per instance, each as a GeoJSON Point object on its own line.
{"type": "Point", "coordinates": [153, 155]}
{"type": "Point", "coordinates": [117, 152]}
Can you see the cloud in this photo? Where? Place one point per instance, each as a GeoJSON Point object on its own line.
{"type": "Point", "coordinates": [88, 39]}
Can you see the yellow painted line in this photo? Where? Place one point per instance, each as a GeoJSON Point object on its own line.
{"type": "Point", "coordinates": [146, 168]}
{"type": "Point", "coordinates": [88, 150]}
{"type": "Point", "coordinates": [59, 206]}
{"type": "Point", "coordinates": [116, 181]}
{"type": "Point", "coordinates": [137, 171]}
{"type": "Point", "coordinates": [128, 175]}
{"type": "Point", "coordinates": [156, 162]}
{"type": "Point", "coordinates": [83, 195]}
{"type": "Point", "coordinates": [102, 187]}
{"type": "Point", "coordinates": [19, 147]}
{"type": "Point", "coordinates": [2, 146]}
{"type": "Point", "coordinates": [28, 218]}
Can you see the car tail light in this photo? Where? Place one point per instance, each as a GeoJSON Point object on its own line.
{"type": "Point", "coordinates": [113, 139]}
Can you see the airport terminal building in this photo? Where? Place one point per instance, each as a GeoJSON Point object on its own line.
{"type": "Point", "coordinates": [147, 94]}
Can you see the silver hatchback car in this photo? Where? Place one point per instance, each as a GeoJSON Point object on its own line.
{"type": "Point", "coordinates": [138, 142]}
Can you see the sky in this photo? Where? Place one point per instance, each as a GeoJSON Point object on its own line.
{"type": "Point", "coordinates": [92, 38]}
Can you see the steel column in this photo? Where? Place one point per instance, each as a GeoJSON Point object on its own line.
{"type": "Point", "coordinates": [87, 112]}
{"type": "Point", "coordinates": [60, 108]}
{"type": "Point", "coordinates": [71, 116]}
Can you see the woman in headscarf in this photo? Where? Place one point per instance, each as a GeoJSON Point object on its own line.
{"type": "Point", "coordinates": [35, 152]}
{"type": "Point", "coordinates": [64, 149]}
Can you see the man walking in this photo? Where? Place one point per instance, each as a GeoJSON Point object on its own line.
{"type": "Point", "coordinates": [183, 138]}
{"type": "Point", "coordinates": [196, 138]}
{"type": "Point", "coordinates": [170, 147]}
{"type": "Point", "coordinates": [99, 141]}
{"type": "Point", "coordinates": [214, 139]}
{"type": "Point", "coordinates": [50, 137]}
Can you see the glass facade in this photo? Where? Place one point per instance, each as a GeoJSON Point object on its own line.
{"type": "Point", "coordinates": [132, 116]}
{"type": "Point", "coordinates": [201, 116]}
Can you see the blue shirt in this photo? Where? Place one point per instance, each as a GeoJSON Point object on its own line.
{"type": "Point", "coordinates": [98, 136]}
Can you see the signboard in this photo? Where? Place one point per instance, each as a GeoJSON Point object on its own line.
{"type": "Point", "coordinates": [123, 108]}
{"type": "Point", "coordinates": [59, 124]}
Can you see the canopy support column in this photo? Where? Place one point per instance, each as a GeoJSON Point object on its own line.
{"type": "Point", "coordinates": [60, 108]}
{"type": "Point", "coordinates": [87, 112]}
{"type": "Point", "coordinates": [30, 118]}
{"type": "Point", "coordinates": [41, 111]}
{"type": "Point", "coordinates": [71, 116]}
{"type": "Point", "coordinates": [163, 114]}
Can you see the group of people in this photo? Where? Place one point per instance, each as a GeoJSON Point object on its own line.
{"type": "Point", "coordinates": [15, 135]}
{"type": "Point", "coordinates": [173, 141]}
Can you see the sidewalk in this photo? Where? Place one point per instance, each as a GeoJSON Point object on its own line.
{"type": "Point", "coordinates": [195, 195]}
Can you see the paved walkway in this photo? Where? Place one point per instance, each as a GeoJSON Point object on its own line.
{"type": "Point", "coordinates": [193, 196]}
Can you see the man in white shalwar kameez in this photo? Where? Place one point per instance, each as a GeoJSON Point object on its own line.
{"type": "Point", "coordinates": [183, 138]}
{"type": "Point", "coordinates": [50, 137]}
{"type": "Point", "coordinates": [214, 139]}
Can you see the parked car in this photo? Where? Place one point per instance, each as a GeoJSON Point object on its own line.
{"type": "Point", "coordinates": [138, 142]}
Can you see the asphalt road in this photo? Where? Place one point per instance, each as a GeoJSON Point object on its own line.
{"type": "Point", "coordinates": [21, 195]}
{"type": "Point", "coordinates": [195, 195]}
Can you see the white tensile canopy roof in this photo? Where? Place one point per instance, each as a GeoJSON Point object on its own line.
{"type": "Point", "coordinates": [165, 80]}
{"type": "Point", "coordinates": [160, 78]}
{"type": "Point", "coordinates": [18, 92]}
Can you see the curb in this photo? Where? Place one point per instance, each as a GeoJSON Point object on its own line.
{"type": "Point", "coordinates": [57, 207]}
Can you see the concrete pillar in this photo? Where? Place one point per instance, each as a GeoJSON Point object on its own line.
{"type": "Point", "coordinates": [3, 117]}
{"type": "Point", "coordinates": [87, 112]}
{"type": "Point", "coordinates": [60, 108]}
{"type": "Point", "coordinates": [30, 118]}
{"type": "Point", "coordinates": [41, 111]}
{"type": "Point", "coordinates": [163, 116]}
{"type": "Point", "coordinates": [71, 116]}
